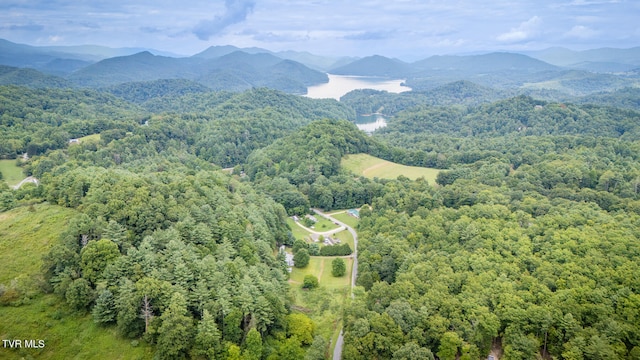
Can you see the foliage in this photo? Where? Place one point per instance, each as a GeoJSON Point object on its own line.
{"type": "Point", "coordinates": [336, 250]}
{"type": "Point", "coordinates": [104, 311]}
{"type": "Point", "coordinates": [301, 258]}
{"type": "Point", "coordinates": [310, 282]}
{"type": "Point", "coordinates": [338, 267]}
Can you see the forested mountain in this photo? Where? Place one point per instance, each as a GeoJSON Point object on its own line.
{"type": "Point", "coordinates": [456, 93]}
{"type": "Point", "coordinates": [477, 64]}
{"type": "Point", "coordinates": [627, 98]}
{"type": "Point", "coordinates": [141, 92]}
{"type": "Point", "coordinates": [375, 66]}
{"type": "Point", "coordinates": [31, 78]}
{"type": "Point", "coordinates": [142, 66]}
{"type": "Point", "coordinates": [235, 71]}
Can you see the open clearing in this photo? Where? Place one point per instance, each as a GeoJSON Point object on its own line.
{"type": "Point", "coordinates": [25, 236]}
{"type": "Point", "coordinates": [11, 172]}
{"type": "Point", "coordinates": [372, 167]}
{"type": "Point", "coordinates": [346, 218]}
{"type": "Point", "coordinates": [90, 138]}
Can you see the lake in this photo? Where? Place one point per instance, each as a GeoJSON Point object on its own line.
{"type": "Point", "coordinates": [339, 85]}
{"type": "Point", "coordinates": [370, 123]}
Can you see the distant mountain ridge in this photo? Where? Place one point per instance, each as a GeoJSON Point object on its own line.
{"type": "Point", "coordinates": [375, 65]}
{"type": "Point", "coordinates": [574, 73]}
{"type": "Point", "coordinates": [600, 60]}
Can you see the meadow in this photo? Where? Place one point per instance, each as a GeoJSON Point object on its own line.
{"type": "Point", "coordinates": [11, 173]}
{"type": "Point", "coordinates": [373, 167]}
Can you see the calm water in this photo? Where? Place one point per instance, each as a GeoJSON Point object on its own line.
{"type": "Point", "coordinates": [339, 85]}
{"type": "Point", "coordinates": [370, 123]}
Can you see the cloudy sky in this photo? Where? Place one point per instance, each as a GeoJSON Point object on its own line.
{"type": "Point", "coordinates": [408, 29]}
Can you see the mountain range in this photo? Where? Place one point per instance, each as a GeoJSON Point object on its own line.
{"type": "Point", "coordinates": [236, 69]}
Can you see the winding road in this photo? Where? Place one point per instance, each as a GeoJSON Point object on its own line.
{"type": "Point", "coordinates": [29, 179]}
{"type": "Point", "coordinates": [337, 351]}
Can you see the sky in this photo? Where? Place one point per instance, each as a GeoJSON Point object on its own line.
{"type": "Point", "coordinates": [405, 29]}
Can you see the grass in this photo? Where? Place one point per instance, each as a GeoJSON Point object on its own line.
{"type": "Point", "coordinates": [345, 237]}
{"type": "Point", "coordinates": [324, 304]}
{"type": "Point", "coordinates": [67, 335]}
{"type": "Point", "coordinates": [90, 138]}
{"type": "Point", "coordinates": [347, 219]}
{"type": "Point", "coordinates": [372, 167]}
{"type": "Point", "coordinates": [329, 280]}
{"type": "Point", "coordinates": [11, 173]}
{"type": "Point", "coordinates": [25, 236]}
{"type": "Point", "coordinates": [297, 231]}
{"type": "Point", "coordinates": [324, 225]}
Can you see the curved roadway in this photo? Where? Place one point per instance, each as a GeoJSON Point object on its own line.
{"type": "Point", "coordinates": [337, 351]}
{"type": "Point", "coordinates": [29, 179]}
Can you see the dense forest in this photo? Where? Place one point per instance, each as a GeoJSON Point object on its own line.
{"type": "Point", "coordinates": [526, 246]}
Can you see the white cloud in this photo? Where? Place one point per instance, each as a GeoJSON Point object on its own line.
{"type": "Point", "coordinates": [525, 31]}
{"type": "Point", "coordinates": [581, 32]}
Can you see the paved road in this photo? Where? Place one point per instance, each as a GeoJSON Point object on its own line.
{"type": "Point", "coordinates": [30, 179]}
{"type": "Point", "coordinates": [324, 233]}
{"type": "Point", "coordinates": [337, 351]}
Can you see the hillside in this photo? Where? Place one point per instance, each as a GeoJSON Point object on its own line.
{"type": "Point", "coordinates": [31, 78]}
{"type": "Point", "coordinates": [235, 71]}
{"type": "Point", "coordinates": [142, 66]}
{"type": "Point", "coordinates": [26, 236]}
{"type": "Point", "coordinates": [375, 65]}
{"type": "Point", "coordinates": [486, 63]}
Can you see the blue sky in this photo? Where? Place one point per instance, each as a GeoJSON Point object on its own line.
{"type": "Point", "coordinates": [405, 29]}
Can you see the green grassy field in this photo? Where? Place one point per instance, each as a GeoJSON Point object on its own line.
{"type": "Point", "coordinates": [347, 219]}
{"type": "Point", "coordinates": [67, 335]}
{"type": "Point", "coordinates": [25, 236]}
{"type": "Point", "coordinates": [371, 167]}
{"type": "Point", "coordinates": [324, 225]}
{"type": "Point", "coordinates": [345, 237]}
{"type": "Point", "coordinates": [297, 231]}
{"type": "Point", "coordinates": [90, 138]}
{"type": "Point", "coordinates": [11, 173]}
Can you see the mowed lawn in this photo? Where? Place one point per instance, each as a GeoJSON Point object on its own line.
{"type": "Point", "coordinates": [346, 218]}
{"type": "Point", "coordinates": [11, 173]}
{"type": "Point", "coordinates": [297, 231]}
{"type": "Point", "coordinates": [372, 167]}
{"type": "Point", "coordinates": [320, 267]}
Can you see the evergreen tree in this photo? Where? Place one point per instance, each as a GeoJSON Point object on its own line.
{"type": "Point", "coordinates": [104, 311]}
{"type": "Point", "coordinates": [253, 343]}
{"type": "Point", "coordinates": [207, 340]}
{"type": "Point", "coordinates": [128, 306]}
{"type": "Point", "coordinates": [176, 332]}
